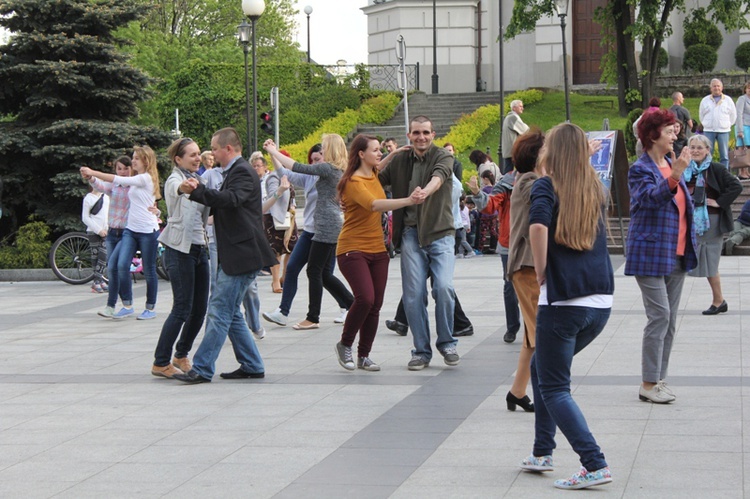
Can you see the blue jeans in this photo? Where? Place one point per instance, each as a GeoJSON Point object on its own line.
{"type": "Point", "coordinates": [297, 261]}
{"type": "Point", "coordinates": [722, 139]}
{"type": "Point", "coordinates": [251, 302]}
{"type": "Point", "coordinates": [147, 243]}
{"type": "Point", "coordinates": [213, 257]}
{"type": "Point", "coordinates": [417, 263]}
{"type": "Point", "coordinates": [225, 319]}
{"type": "Point", "coordinates": [188, 275]}
{"type": "Point", "coordinates": [562, 332]}
{"type": "Point", "coordinates": [113, 253]}
{"type": "Point", "coordinates": [512, 314]}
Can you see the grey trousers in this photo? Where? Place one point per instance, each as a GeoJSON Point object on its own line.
{"type": "Point", "coordinates": [661, 299]}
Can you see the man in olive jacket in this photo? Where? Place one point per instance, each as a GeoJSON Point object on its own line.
{"type": "Point", "coordinates": [426, 235]}
{"type": "Point", "coordinates": [242, 249]}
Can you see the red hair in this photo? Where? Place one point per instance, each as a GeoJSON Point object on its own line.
{"type": "Point", "coordinates": [651, 125]}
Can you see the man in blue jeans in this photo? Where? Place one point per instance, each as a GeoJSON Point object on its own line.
{"type": "Point", "coordinates": [718, 114]}
{"type": "Point", "coordinates": [426, 235]}
{"type": "Point", "coordinates": [242, 251]}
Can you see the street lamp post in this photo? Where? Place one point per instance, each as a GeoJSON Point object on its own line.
{"type": "Point", "coordinates": [308, 10]}
{"type": "Point", "coordinates": [562, 11]}
{"type": "Point", "coordinates": [253, 9]}
{"type": "Point", "coordinates": [500, 77]}
{"type": "Point", "coordinates": [243, 32]}
{"type": "Point", "coordinates": [434, 48]}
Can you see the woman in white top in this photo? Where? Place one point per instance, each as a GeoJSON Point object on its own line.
{"type": "Point", "coordinates": [141, 231]}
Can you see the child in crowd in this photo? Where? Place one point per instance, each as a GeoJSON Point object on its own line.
{"type": "Point", "coordinates": [94, 216]}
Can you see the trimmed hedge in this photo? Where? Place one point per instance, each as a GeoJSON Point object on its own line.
{"type": "Point", "coordinates": [374, 110]}
{"type": "Point", "coordinates": [701, 58]}
{"type": "Point", "coordinates": [31, 249]}
{"type": "Point", "coordinates": [742, 56]}
{"type": "Point", "coordinates": [470, 127]}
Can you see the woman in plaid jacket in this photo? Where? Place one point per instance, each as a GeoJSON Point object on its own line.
{"type": "Point", "coordinates": [661, 245]}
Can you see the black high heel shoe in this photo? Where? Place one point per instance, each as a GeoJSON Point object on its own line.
{"type": "Point", "coordinates": [524, 402]}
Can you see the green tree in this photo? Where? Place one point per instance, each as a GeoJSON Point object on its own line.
{"type": "Point", "coordinates": [174, 33]}
{"type": "Point", "coordinates": [70, 94]}
{"type": "Point", "coordinates": [623, 23]}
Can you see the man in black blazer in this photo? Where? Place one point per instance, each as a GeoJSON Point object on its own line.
{"type": "Point", "coordinates": [242, 249]}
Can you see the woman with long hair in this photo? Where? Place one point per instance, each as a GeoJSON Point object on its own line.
{"type": "Point", "coordinates": [141, 230]}
{"type": "Point", "coordinates": [576, 282]}
{"type": "Point", "coordinates": [327, 224]}
{"type": "Point", "coordinates": [117, 218]}
{"type": "Point", "coordinates": [184, 239]}
{"type": "Point", "coordinates": [361, 251]}
{"type": "Point", "coordinates": [661, 245]}
{"type": "Point", "coordinates": [301, 252]}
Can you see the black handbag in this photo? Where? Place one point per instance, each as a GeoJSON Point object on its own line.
{"type": "Point", "coordinates": [97, 206]}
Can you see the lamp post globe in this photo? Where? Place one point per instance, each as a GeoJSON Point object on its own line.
{"type": "Point", "coordinates": [308, 10]}
{"type": "Point", "coordinates": [253, 8]}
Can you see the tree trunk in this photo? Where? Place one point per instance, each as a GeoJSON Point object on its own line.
{"type": "Point", "coordinates": [627, 77]}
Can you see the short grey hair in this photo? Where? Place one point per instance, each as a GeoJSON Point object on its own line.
{"type": "Point", "coordinates": [515, 103]}
{"type": "Point", "coordinates": [700, 138]}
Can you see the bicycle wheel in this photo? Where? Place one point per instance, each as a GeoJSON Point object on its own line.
{"type": "Point", "coordinates": [161, 263]}
{"type": "Point", "coordinates": [71, 258]}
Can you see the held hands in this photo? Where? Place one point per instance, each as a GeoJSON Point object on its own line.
{"type": "Point", "coordinates": [679, 164]}
{"type": "Point", "coordinates": [188, 185]}
{"type": "Point", "coordinates": [473, 184]}
{"type": "Point", "coordinates": [418, 196]}
{"type": "Point", "coordinates": [270, 146]}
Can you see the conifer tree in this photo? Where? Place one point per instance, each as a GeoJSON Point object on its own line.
{"type": "Point", "coordinates": [67, 96]}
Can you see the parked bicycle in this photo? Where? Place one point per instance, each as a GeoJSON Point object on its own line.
{"type": "Point", "coordinates": [72, 259]}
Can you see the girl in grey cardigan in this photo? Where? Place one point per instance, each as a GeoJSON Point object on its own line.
{"type": "Point", "coordinates": [328, 223]}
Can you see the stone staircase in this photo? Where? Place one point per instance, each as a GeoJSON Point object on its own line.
{"type": "Point", "coordinates": [614, 239]}
{"type": "Point", "coordinates": [443, 109]}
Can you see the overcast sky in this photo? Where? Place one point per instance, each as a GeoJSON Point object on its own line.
{"type": "Point", "coordinates": [338, 30]}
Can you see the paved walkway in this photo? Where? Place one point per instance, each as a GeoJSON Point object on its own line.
{"type": "Point", "coordinates": [80, 415]}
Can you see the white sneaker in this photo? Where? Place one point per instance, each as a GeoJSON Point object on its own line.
{"type": "Point", "coordinates": [259, 335]}
{"type": "Point", "coordinates": [657, 395]}
{"type": "Point", "coordinates": [276, 317]}
{"type": "Point", "coordinates": [341, 318]}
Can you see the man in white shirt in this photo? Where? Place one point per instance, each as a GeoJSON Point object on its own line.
{"type": "Point", "coordinates": [717, 114]}
{"type": "Point", "coordinates": [513, 126]}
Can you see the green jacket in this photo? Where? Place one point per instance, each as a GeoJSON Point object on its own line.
{"type": "Point", "coordinates": [435, 215]}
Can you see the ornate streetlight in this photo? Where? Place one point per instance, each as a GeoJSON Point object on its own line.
{"type": "Point", "coordinates": [253, 9]}
{"type": "Point", "coordinates": [308, 11]}
{"type": "Point", "coordinates": [562, 11]}
{"type": "Point", "coordinates": [243, 33]}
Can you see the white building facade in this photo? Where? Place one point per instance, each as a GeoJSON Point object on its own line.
{"type": "Point", "coordinates": [468, 51]}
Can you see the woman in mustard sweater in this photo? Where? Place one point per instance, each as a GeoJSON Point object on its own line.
{"type": "Point", "coordinates": [361, 252]}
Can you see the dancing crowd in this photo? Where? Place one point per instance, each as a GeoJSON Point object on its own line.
{"type": "Point", "coordinates": [545, 212]}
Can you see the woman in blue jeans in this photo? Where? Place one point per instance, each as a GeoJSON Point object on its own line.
{"type": "Point", "coordinates": [186, 255]}
{"type": "Point", "coordinates": [301, 252]}
{"type": "Point", "coordinates": [141, 230]}
{"type": "Point", "coordinates": [568, 240]}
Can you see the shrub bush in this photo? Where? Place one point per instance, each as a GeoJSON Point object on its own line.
{"type": "Point", "coordinates": [379, 109]}
{"type": "Point", "coordinates": [31, 249]}
{"type": "Point", "coordinates": [700, 30]}
{"type": "Point", "coordinates": [742, 56]}
{"type": "Point", "coordinates": [663, 59]}
{"type": "Point", "coordinates": [700, 58]}
{"type": "Point", "coordinates": [630, 139]}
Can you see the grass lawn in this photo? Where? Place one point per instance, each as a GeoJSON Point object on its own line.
{"type": "Point", "coordinates": [586, 111]}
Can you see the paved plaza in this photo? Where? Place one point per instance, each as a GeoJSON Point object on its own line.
{"type": "Point", "coordinates": [82, 417]}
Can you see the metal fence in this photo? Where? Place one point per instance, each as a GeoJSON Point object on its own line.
{"type": "Point", "coordinates": [374, 76]}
